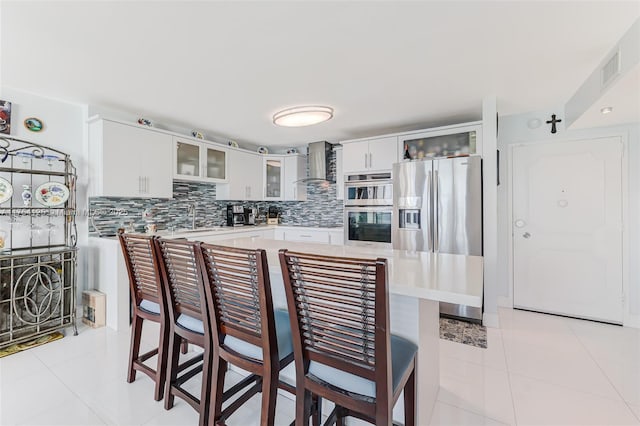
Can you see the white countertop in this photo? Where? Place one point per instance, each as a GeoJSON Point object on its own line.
{"type": "Point", "coordinates": [226, 230]}
{"type": "Point", "coordinates": [448, 278]}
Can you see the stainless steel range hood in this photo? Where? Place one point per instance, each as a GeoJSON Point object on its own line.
{"type": "Point", "coordinates": [319, 161]}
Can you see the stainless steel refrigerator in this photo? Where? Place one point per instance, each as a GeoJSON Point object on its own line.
{"type": "Point", "coordinates": [437, 207]}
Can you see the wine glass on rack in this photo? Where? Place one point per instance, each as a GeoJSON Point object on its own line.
{"type": "Point", "coordinates": [14, 221]}
{"type": "Point", "coordinates": [25, 156]}
{"type": "Point", "coordinates": [50, 159]}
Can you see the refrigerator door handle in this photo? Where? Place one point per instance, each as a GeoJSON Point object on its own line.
{"type": "Point", "coordinates": [436, 211]}
{"type": "Point", "coordinates": [429, 209]}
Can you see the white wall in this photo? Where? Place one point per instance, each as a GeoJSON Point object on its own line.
{"type": "Point", "coordinates": [515, 129]}
{"type": "Point", "coordinates": [489, 212]}
{"type": "Point", "coordinates": [64, 129]}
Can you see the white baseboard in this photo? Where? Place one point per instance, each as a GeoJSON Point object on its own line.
{"type": "Point", "coordinates": [490, 320]}
{"type": "Point", "coordinates": [632, 321]}
{"type": "Point", "coordinates": [505, 302]}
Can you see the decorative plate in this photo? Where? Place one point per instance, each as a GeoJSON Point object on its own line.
{"type": "Point", "coordinates": [145, 122]}
{"type": "Point", "coordinates": [51, 194]}
{"type": "Point", "coordinates": [292, 151]}
{"type": "Point", "coordinates": [233, 144]}
{"type": "Point", "coordinates": [263, 150]}
{"type": "Point", "coordinates": [197, 134]}
{"type": "Point", "coordinates": [34, 124]}
{"type": "Point", "coordinates": [6, 190]}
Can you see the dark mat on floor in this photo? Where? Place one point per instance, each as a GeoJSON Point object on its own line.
{"type": "Point", "coordinates": [463, 332]}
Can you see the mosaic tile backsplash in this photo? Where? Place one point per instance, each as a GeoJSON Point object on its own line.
{"type": "Point", "coordinates": [109, 213]}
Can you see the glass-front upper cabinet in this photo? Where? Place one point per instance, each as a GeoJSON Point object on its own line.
{"type": "Point", "coordinates": [448, 141]}
{"type": "Point", "coordinates": [273, 178]}
{"type": "Point", "coordinates": [216, 163]}
{"type": "Point", "coordinates": [199, 161]}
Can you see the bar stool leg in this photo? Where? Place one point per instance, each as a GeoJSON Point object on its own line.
{"type": "Point", "coordinates": [205, 393]}
{"type": "Point", "coordinates": [161, 369]}
{"type": "Point", "coordinates": [134, 351]}
{"type": "Point", "coordinates": [219, 369]}
{"type": "Point", "coordinates": [269, 395]}
{"type": "Point", "coordinates": [316, 417]}
{"type": "Point", "coordinates": [410, 400]}
{"type": "Point", "coordinates": [303, 398]}
{"type": "Point", "coordinates": [172, 369]}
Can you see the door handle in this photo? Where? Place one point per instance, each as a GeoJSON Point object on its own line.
{"type": "Point", "coordinates": [370, 160]}
{"type": "Point", "coordinates": [436, 209]}
{"type": "Point", "coordinates": [139, 184]}
{"type": "Point", "coordinates": [526, 235]}
{"type": "Point", "coordinates": [365, 160]}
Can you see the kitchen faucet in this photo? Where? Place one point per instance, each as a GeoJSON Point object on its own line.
{"type": "Point", "coordinates": [191, 209]}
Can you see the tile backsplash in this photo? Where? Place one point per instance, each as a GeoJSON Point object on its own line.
{"type": "Point", "coordinates": [109, 213]}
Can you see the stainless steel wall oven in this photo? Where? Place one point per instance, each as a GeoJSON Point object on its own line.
{"type": "Point", "coordinates": [368, 210]}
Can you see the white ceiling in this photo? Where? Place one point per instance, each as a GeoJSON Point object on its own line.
{"type": "Point", "coordinates": [225, 67]}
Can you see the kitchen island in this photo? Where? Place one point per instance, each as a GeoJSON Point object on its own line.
{"type": "Point", "coordinates": [418, 281]}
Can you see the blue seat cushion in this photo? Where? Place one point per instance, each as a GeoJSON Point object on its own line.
{"type": "Point", "coordinates": [402, 352]}
{"type": "Point", "coordinates": [283, 336]}
{"type": "Point", "coordinates": [149, 306]}
{"type": "Point", "coordinates": [191, 323]}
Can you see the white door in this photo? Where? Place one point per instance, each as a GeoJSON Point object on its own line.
{"type": "Point", "coordinates": [567, 228]}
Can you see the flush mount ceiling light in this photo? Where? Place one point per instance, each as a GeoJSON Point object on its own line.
{"type": "Point", "coordinates": [606, 110]}
{"type": "Point", "coordinates": [302, 116]}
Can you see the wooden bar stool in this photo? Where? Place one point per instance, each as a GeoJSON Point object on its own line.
{"type": "Point", "coordinates": [180, 267]}
{"type": "Point", "coordinates": [247, 332]}
{"type": "Point", "coordinates": [343, 349]}
{"type": "Point", "coordinates": [149, 303]}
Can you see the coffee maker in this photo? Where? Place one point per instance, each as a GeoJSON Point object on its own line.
{"type": "Point", "coordinates": [250, 216]}
{"type": "Point", "coordinates": [235, 215]}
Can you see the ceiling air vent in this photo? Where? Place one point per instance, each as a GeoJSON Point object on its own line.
{"type": "Point", "coordinates": [611, 69]}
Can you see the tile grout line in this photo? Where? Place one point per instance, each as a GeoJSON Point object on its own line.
{"type": "Point", "coordinates": [564, 386]}
{"type": "Point", "coordinates": [603, 372]}
{"type": "Point", "coordinates": [75, 394]}
{"type": "Point", "coordinates": [506, 363]}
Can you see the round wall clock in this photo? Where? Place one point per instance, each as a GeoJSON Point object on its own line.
{"type": "Point", "coordinates": [34, 124]}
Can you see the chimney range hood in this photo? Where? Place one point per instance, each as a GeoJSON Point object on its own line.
{"type": "Point", "coordinates": [319, 159]}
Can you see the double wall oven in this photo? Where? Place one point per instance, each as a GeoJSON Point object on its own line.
{"type": "Point", "coordinates": [368, 208]}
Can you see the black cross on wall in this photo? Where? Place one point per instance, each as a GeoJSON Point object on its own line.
{"type": "Point", "coordinates": [553, 122]}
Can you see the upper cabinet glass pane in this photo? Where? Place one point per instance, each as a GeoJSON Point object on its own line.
{"type": "Point", "coordinates": [188, 159]}
{"type": "Point", "coordinates": [274, 176]}
{"type": "Point", "coordinates": [216, 164]}
{"type": "Point", "coordinates": [441, 146]}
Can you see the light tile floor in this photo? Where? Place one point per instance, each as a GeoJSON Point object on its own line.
{"type": "Point", "coordinates": [538, 370]}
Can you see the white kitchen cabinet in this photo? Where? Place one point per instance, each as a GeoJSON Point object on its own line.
{"type": "Point", "coordinates": [244, 177]}
{"type": "Point", "coordinates": [273, 175]}
{"type": "Point", "coordinates": [127, 160]}
{"type": "Point", "coordinates": [309, 234]}
{"type": "Point", "coordinates": [370, 155]}
{"type": "Point", "coordinates": [336, 238]}
{"type": "Point", "coordinates": [306, 235]}
{"type": "Point", "coordinates": [295, 169]}
{"type": "Point", "coordinates": [199, 161]}
{"type": "Point", "coordinates": [442, 141]}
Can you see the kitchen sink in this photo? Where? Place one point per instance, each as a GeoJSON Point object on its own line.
{"type": "Point", "coordinates": [198, 230]}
